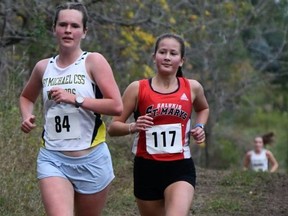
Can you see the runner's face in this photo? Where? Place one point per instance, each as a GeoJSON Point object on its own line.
{"type": "Point", "coordinates": [69, 28]}
{"type": "Point", "coordinates": [258, 144]}
{"type": "Point", "coordinates": [168, 56]}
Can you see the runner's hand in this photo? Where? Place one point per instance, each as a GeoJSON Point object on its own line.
{"type": "Point", "coordinates": [60, 95]}
{"type": "Point", "coordinates": [142, 123]}
{"type": "Point", "coordinates": [28, 124]}
{"type": "Point", "coordinates": [198, 134]}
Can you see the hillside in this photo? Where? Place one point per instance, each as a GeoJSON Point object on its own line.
{"type": "Point", "coordinates": [229, 193]}
{"type": "Point", "coordinates": [222, 193]}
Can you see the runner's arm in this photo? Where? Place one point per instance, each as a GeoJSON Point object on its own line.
{"type": "Point", "coordinates": [272, 161]}
{"type": "Point", "coordinates": [201, 108]}
{"type": "Point", "coordinates": [29, 96]}
{"type": "Point", "coordinates": [102, 74]}
{"type": "Point", "coordinates": [246, 161]}
{"type": "Point", "coordinates": [200, 104]}
{"type": "Point", "coordinates": [118, 127]}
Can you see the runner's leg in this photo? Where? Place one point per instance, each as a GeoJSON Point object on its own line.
{"type": "Point", "coordinates": [90, 204]}
{"type": "Point", "coordinates": [58, 196]}
{"type": "Point", "coordinates": [178, 198]}
{"type": "Point", "coordinates": [151, 208]}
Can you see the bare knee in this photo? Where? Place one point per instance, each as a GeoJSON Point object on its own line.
{"type": "Point", "coordinates": [151, 208]}
{"type": "Point", "coordinates": [57, 196]}
{"type": "Point", "coordinates": [178, 199]}
{"type": "Point", "coordinates": [91, 204]}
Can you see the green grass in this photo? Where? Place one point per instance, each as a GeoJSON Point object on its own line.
{"type": "Point", "coordinates": [222, 193]}
{"type": "Point", "coordinates": [224, 205]}
{"type": "Point", "coordinates": [236, 178]}
{"type": "Point", "coordinates": [225, 193]}
{"type": "Point", "coordinates": [238, 186]}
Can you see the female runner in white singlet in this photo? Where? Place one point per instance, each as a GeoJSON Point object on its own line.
{"type": "Point", "coordinates": [259, 158]}
{"type": "Point", "coordinates": [74, 165]}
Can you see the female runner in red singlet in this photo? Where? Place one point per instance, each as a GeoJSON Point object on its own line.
{"type": "Point", "coordinates": [164, 172]}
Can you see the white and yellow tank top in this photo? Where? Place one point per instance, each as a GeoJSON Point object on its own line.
{"type": "Point", "coordinates": [66, 127]}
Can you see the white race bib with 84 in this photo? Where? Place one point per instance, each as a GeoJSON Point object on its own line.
{"type": "Point", "coordinates": [63, 124]}
{"type": "Point", "coordinates": [163, 139]}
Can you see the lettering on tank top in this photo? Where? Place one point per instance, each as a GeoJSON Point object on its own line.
{"type": "Point", "coordinates": [76, 79]}
{"type": "Point", "coordinates": [167, 109]}
{"type": "Point", "coordinates": [258, 163]}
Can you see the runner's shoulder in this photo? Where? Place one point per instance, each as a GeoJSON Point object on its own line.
{"type": "Point", "coordinates": [195, 86]}
{"type": "Point", "coordinates": [41, 65]}
{"type": "Point", "coordinates": [39, 69]}
{"type": "Point", "coordinates": [134, 85]}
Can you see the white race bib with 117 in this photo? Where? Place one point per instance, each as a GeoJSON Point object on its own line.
{"type": "Point", "coordinates": [63, 123]}
{"type": "Point", "coordinates": [163, 139]}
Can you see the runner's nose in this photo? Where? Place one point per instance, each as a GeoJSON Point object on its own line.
{"type": "Point", "coordinates": [68, 29]}
{"type": "Point", "coordinates": [167, 56]}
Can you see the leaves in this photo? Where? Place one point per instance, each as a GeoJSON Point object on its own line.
{"type": "Point", "coordinates": [232, 47]}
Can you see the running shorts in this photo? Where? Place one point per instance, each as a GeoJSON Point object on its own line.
{"type": "Point", "coordinates": [88, 174]}
{"type": "Point", "coordinates": [151, 177]}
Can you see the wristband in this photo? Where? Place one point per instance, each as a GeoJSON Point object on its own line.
{"type": "Point", "coordinates": [130, 128]}
{"type": "Point", "coordinates": [199, 125]}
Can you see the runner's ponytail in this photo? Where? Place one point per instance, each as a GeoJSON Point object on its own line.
{"type": "Point", "coordinates": [179, 72]}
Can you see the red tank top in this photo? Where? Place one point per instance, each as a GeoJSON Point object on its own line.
{"type": "Point", "coordinates": [168, 139]}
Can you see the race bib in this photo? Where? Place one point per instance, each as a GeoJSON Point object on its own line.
{"type": "Point", "coordinates": [163, 139]}
{"type": "Point", "coordinates": [63, 124]}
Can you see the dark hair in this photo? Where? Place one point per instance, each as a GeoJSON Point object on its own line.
{"type": "Point", "coordinates": [72, 6]}
{"type": "Point", "coordinates": [182, 47]}
{"type": "Point", "coordinates": [268, 138]}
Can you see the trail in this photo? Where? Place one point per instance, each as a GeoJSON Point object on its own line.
{"type": "Point", "coordinates": [238, 193]}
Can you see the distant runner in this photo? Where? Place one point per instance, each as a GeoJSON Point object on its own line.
{"type": "Point", "coordinates": [259, 158]}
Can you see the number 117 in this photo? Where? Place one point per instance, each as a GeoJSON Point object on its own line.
{"type": "Point", "coordinates": [164, 138]}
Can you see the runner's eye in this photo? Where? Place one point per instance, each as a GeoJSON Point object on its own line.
{"type": "Point", "coordinates": [161, 51]}
{"type": "Point", "coordinates": [62, 24]}
{"type": "Point", "coordinates": [75, 25]}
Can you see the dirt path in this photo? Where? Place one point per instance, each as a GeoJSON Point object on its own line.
{"type": "Point", "coordinates": [275, 198]}
{"type": "Point", "coordinates": [229, 193]}
{"type": "Point", "coordinates": [218, 193]}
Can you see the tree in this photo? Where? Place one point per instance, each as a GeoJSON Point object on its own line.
{"type": "Point", "coordinates": [230, 48]}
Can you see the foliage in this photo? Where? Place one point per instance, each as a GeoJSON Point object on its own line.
{"type": "Point", "coordinates": [230, 49]}
{"type": "Point", "coordinates": [236, 49]}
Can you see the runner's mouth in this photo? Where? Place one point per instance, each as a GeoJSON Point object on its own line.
{"type": "Point", "coordinates": [167, 65]}
{"type": "Point", "coordinates": [67, 38]}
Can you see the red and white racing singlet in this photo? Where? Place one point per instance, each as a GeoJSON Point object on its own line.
{"type": "Point", "coordinates": [168, 139]}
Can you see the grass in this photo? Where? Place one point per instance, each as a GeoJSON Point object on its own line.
{"type": "Point", "coordinates": [223, 205]}
{"type": "Point", "coordinates": [218, 192]}
{"type": "Point", "coordinates": [244, 178]}
{"type": "Point", "coordinates": [19, 194]}
{"type": "Point", "coordinates": [225, 193]}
